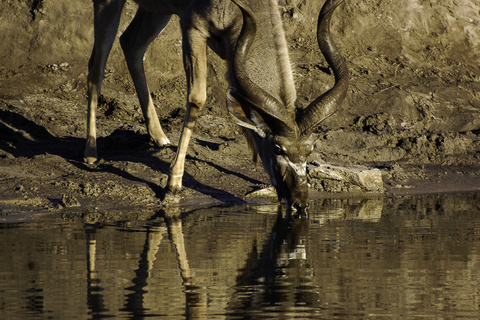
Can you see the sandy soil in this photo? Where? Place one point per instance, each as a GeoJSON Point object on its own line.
{"type": "Point", "coordinates": [413, 108]}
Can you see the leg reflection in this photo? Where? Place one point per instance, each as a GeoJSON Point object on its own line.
{"type": "Point", "coordinates": [94, 290]}
{"type": "Point", "coordinates": [135, 299]}
{"type": "Point", "coordinates": [135, 303]}
{"type": "Point", "coordinates": [195, 301]}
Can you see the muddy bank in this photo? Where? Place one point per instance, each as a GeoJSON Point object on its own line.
{"type": "Point", "coordinates": [412, 111]}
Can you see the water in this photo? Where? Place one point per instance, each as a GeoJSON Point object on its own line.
{"type": "Point", "coordinates": [393, 258]}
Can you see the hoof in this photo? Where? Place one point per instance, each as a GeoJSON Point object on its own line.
{"type": "Point", "coordinates": [174, 184]}
{"type": "Point", "coordinates": [162, 142]}
{"type": "Point", "coordinates": [90, 155]}
{"type": "Point", "coordinates": [174, 190]}
{"type": "Point", "coordinates": [170, 199]}
{"type": "Point", "coordinates": [90, 160]}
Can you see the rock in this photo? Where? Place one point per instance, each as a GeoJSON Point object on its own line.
{"type": "Point", "coordinates": [267, 192]}
{"type": "Point", "coordinates": [330, 178]}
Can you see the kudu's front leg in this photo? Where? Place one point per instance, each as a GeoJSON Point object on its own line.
{"type": "Point", "coordinates": [106, 19]}
{"type": "Point", "coordinates": [143, 29]}
{"type": "Point", "coordinates": [195, 62]}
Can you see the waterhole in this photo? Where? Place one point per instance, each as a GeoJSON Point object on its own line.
{"type": "Point", "coordinates": [387, 258]}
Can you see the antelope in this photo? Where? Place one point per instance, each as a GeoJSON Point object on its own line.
{"type": "Point", "coordinates": [261, 97]}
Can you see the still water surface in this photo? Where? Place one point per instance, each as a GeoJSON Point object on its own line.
{"type": "Point", "coordinates": [393, 258]}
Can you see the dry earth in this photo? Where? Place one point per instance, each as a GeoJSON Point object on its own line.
{"type": "Point", "coordinates": [412, 111]}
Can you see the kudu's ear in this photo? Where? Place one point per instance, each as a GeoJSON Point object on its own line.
{"type": "Point", "coordinates": [243, 115]}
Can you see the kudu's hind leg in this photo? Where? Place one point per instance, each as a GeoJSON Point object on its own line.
{"type": "Point", "coordinates": [195, 62]}
{"type": "Point", "coordinates": [106, 20]}
{"type": "Point", "coordinates": [143, 29]}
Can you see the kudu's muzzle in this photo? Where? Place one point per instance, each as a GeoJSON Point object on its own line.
{"type": "Point", "coordinates": [300, 200]}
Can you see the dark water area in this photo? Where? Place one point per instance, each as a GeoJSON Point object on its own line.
{"type": "Point", "coordinates": [388, 258]}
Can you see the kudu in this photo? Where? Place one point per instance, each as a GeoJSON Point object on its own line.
{"type": "Point", "coordinates": [261, 98]}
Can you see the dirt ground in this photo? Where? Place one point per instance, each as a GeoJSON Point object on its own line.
{"type": "Point", "coordinates": [412, 110]}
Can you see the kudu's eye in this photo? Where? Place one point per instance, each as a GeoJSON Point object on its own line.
{"type": "Point", "coordinates": [278, 150]}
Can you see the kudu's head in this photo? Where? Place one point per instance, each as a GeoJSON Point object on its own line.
{"type": "Point", "coordinates": [280, 137]}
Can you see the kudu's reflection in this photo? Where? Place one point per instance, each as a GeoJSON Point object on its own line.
{"type": "Point", "coordinates": [278, 272]}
